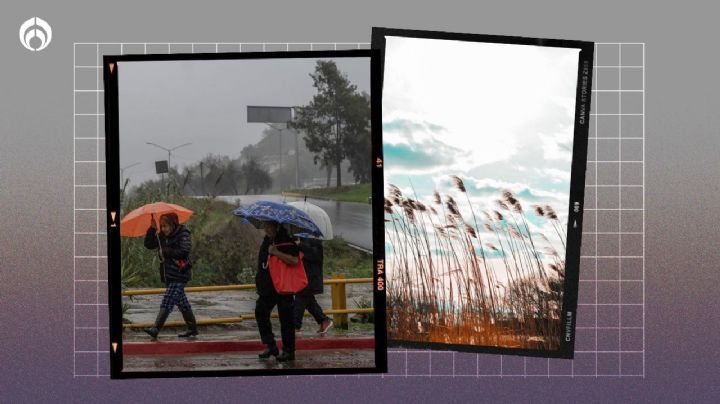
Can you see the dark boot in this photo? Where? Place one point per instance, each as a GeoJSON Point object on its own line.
{"type": "Point", "coordinates": [271, 350]}
{"type": "Point", "coordinates": [159, 321]}
{"type": "Point", "coordinates": [286, 356]}
{"type": "Point", "coordinates": [191, 325]}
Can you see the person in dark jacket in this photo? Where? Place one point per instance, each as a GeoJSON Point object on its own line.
{"type": "Point", "coordinates": [173, 244]}
{"type": "Point", "coordinates": [312, 250]}
{"type": "Point", "coordinates": [268, 297]}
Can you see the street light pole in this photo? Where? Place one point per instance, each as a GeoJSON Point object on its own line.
{"type": "Point", "coordinates": [280, 153]}
{"type": "Point", "coordinates": [202, 178]}
{"type": "Point", "coordinates": [297, 151]}
{"type": "Point", "coordinates": [297, 162]}
{"type": "Point", "coordinates": [170, 150]}
{"type": "Point", "coordinates": [122, 171]}
{"type": "Point", "coordinates": [281, 116]}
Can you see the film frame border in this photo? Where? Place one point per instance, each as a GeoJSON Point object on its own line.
{"type": "Point", "coordinates": [554, 368]}
{"type": "Point", "coordinates": [112, 165]}
{"type": "Point", "coordinates": [583, 97]}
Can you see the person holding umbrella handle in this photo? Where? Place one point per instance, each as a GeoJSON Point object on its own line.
{"type": "Point", "coordinates": [173, 243]}
{"type": "Point", "coordinates": [276, 242]}
{"type": "Point", "coordinates": [157, 235]}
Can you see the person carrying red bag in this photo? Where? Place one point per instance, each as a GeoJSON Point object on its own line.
{"type": "Point", "coordinates": [277, 242]}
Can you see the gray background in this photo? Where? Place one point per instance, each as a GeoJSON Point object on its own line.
{"type": "Point", "coordinates": [36, 189]}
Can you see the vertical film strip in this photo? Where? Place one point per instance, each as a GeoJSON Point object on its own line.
{"type": "Point", "coordinates": [610, 339]}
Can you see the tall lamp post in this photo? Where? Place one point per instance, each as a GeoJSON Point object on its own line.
{"type": "Point", "coordinates": [280, 152]}
{"type": "Point", "coordinates": [169, 151]}
{"type": "Point", "coordinates": [281, 116]}
{"type": "Point", "coordinates": [122, 171]}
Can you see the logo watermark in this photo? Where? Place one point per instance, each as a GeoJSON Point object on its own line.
{"type": "Point", "coordinates": [35, 34]}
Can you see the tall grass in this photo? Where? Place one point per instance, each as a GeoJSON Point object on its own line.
{"type": "Point", "coordinates": [443, 282]}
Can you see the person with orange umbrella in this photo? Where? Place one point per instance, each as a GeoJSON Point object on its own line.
{"type": "Point", "coordinates": [173, 243]}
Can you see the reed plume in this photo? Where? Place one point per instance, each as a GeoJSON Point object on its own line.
{"type": "Point", "coordinates": [550, 212]}
{"type": "Point", "coordinates": [452, 205]}
{"type": "Point", "coordinates": [458, 183]}
{"type": "Point", "coordinates": [469, 229]}
{"type": "Point", "coordinates": [436, 198]}
{"type": "Point", "coordinates": [539, 210]}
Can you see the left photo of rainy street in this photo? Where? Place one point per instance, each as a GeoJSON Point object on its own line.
{"type": "Point", "coordinates": [245, 215]}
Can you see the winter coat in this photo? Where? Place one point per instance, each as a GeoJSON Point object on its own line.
{"type": "Point", "coordinates": [313, 262]}
{"type": "Point", "coordinates": [176, 266]}
{"type": "Point", "coordinates": [263, 281]}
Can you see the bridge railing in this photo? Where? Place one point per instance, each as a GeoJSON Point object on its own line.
{"type": "Point", "coordinates": [338, 295]}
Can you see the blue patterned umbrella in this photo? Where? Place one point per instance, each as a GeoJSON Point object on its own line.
{"type": "Point", "coordinates": [293, 218]}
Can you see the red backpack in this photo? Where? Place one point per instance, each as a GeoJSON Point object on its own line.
{"type": "Point", "coordinates": [287, 279]}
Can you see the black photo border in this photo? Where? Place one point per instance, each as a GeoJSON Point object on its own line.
{"type": "Point", "coordinates": [577, 183]}
{"type": "Point", "coordinates": [112, 153]}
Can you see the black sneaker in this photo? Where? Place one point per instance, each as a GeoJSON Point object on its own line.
{"type": "Point", "coordinates": [286, 356]}
{"type": "Point", "coordinates": [188, 334]}
{"type": "Point", "coordinates": [268, 352]}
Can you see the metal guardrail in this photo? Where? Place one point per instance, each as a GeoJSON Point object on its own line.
{"type": "Point", "coordinates": [338, 295]}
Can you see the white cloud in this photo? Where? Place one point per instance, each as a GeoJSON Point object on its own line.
{"type": "Point", "coordinates": [482, 93]}
{"type": "Point", "coordinates": [557, 145]}
{"type": "Point", "coordinates": [557, 175]}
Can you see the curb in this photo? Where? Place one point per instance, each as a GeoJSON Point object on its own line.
{"type": "Point", "coordinates": [202, 347]}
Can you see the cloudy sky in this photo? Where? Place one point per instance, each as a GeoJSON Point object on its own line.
{"type": "Point", "coordinates": [499, 116]}
{"type": "Point", "coordinates": [205, 102]}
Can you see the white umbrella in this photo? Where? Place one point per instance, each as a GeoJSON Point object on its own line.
{"type": "Point", "coordinates": [317, 215]}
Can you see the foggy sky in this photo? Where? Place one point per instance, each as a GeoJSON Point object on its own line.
{"type": "Point", "coordinates": [205, 102]}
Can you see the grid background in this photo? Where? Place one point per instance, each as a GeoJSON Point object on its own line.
{"type": "Point", "coordinates": [610, 338]}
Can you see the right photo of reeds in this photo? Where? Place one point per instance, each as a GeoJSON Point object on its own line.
{"type": "Point", "coordinates": [477, 159]}
{"type": "Point", "coordinates": [477, 278]}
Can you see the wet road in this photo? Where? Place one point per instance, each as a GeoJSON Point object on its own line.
{"type": "Point", "coordinates": [351, 220]}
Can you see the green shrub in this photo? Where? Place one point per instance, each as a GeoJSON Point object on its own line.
{"type": "Point", "coordinates": [224, 249]}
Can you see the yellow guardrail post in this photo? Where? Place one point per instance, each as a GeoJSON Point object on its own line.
{"type": "Point", "coordinates": [339, 302]}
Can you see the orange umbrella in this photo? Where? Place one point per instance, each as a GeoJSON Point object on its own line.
{"type": "Point", "coordinates": [136, 223]}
